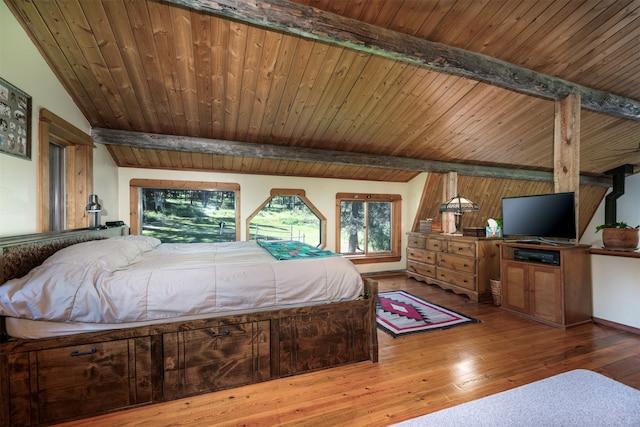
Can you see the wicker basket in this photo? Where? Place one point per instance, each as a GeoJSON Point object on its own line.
{"type": "Point", "coordinates": [496, 291]}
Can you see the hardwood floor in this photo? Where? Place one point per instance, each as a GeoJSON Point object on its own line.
{"type": "Point", "coordinates": [416, 374]}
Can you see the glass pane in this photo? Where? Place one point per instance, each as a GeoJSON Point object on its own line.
{"type": "Point", "coordinates": [286, 218]}
{"type": "Point", "coordinates": [189, 216]}
{"type": "Point", "coordinates": [352, 227]}
{"type": "Point", "coordinates": [57, 193]}
{"type": "Point", "coordinates": [379, 227]}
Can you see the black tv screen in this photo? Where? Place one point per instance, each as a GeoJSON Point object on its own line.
{"type": "Point", "coordinates": [543, 216]}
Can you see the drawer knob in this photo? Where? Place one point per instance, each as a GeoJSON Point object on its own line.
{"type": "Point", "coordinates": [83, 353]}
{"type": "Point", "coordinates": [215, 334]}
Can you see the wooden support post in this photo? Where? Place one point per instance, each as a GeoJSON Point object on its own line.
{"type": "Point", "coordinates": [449, 190]}
{"type": "Point", "coordinates": [566, 148]}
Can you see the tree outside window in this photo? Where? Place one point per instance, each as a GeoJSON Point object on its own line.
{"type": "Point", "coordinates": [185, 211]}
{"type": "Point", "coordinates": [188, 216]}
{"type": "Point", "coordinates": [368, 225]}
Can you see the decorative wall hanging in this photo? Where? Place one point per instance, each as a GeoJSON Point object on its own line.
{"type": "Point", "coordinates": [15, 121]}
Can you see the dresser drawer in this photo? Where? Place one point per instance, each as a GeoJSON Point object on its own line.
{"type": "Point", "coordinates": [462, 280]}
{"type": "Point", "coordinates": [457, 263]}
{"type": "Point", "coordinates": [420, 255]}
{"type": "Point", "coordinates": [462, 248]}
{"type": "Point", "coordinates": [436, 245]}
{"type": "Point", "coordinates": [416, 241]}
{"type": "Point", "coordinates": [427, 270]}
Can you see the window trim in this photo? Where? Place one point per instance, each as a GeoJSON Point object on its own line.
{"type": "Point", "coordinates": [78, 153]}
{"type": "Point", "coordinates": [136, 186]}
{"type": "Point", "coordinates": [292, 192]}
{"type": "Point", "coordinates": [396, 226]}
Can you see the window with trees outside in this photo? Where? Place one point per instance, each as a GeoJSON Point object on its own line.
{"type": "Point", "coordinates": [369, 226]}
{"type": "Point", "coordinates": [288, 215]}
{"type": "Point", "coordinates": [185, 212]}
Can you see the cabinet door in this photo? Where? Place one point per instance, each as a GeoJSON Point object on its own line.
{"type": "Point", "coordinates": [515, 287]}
{"type": "Point", "coordinates": [207, 359]}
{"type": "Point", "coordinates": [321, 339]}
{"type": "Point", "coordinates": [546, 285]}
{"type": "Point", "coordinates": [82, 380]}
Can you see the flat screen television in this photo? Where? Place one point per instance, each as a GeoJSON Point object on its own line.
{"type": "Point", "coordinates": [542, 216]}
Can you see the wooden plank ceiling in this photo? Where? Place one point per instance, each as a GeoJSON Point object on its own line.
{"type": "Point", "coordinates": [157, 67]}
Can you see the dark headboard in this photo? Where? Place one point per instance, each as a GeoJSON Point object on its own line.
{"type": "Point", "coordinates": [20, 254]}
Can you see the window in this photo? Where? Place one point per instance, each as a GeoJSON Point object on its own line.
{"type": "Point", "coordinates": [65, 177]}
{"type": "Point", "coordinates": [185, 212]}
{"type": "Point", "coordinates": [369, 226]}
{"type": "Point", "coordinates": [287, 215]}
{"type": "Point", "coordinates": [57, 178]}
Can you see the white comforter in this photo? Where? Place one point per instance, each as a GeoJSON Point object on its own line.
{"type": "Point", "coordinates": [136, 278]}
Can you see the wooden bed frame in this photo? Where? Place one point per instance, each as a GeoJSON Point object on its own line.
{"type": "Point", "coordinates": [49, 380]}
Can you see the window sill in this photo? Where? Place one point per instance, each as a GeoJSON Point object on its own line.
{"type": "Point", "coordinates": [362, 259]}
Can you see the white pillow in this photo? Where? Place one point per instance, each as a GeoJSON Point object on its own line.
{"type": "Point", "coordinates": [112, 253]}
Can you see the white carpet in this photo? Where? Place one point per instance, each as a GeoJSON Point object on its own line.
{"type": "Point", "coordinates": [575, 398]}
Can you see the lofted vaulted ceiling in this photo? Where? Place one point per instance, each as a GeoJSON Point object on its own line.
{"type": "Point", "coordinates": [267, 96]}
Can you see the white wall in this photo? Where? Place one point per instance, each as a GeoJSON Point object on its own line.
{"type": "Point", "coordinates": [255, 189]}
{"type": "Point", "coordinates": [628, 210]}
{"type": "Point", "coordinates": [616, 289]}
{"type": "Point", "coordinates": [616, 280]}
{"type": "Point", "coordinates": [22, 65]}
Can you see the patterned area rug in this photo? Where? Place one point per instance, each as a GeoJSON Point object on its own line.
{"type": "Point", "coordinates": [400, 313]}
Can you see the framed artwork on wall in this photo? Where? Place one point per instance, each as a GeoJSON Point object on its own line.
{"type": "Point", "coordinates": [15, 121]}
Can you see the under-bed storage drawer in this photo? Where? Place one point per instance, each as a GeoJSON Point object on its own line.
{"type": "Point", "coordinates": [320, 339]}
{"type": "Point", "coordinates": [222, 356]}
{"type": "Point", "coordinates": [55, 384]}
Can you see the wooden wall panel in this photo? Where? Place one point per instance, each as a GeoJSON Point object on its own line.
{"type": "Point", "coordinates": [488, 194]}
{"type": "Point", "coordinates": [154, 67]}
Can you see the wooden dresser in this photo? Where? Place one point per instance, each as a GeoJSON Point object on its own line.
{"type": "Point", "coordinates": [461, 264]}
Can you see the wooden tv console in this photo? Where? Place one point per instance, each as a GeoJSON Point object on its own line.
{"type": "Point", "coordinates": [547, 283]}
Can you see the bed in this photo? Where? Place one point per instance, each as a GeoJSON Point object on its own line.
{"type": "Point", "coordinates": [138, 322]}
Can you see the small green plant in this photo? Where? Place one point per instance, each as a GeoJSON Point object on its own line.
{"type": "Point", "coordinates": [621, 224]}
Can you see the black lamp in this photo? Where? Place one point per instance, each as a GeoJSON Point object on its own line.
{"type": "Point", "coordinates": [458, 205]}
{"type": "Point", "coordinates": [94, 207]}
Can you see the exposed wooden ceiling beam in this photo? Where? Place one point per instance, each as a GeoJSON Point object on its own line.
{"type": "Point", "coordinates": [268, 151]}
{"type": "Point", "coordinates": [309, 22]}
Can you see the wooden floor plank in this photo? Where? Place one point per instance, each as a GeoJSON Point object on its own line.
{"type": "Point", "coordinates": [416, 374]}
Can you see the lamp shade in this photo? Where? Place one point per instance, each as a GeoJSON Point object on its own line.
{"type": "Point", "coordinates": [458, 205]}
{"type": "Point", "coordinates": [94, 205]}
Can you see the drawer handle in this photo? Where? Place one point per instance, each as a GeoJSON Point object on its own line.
{"type": "Point", "coordinates": [83, 353]}
{"type": "Point", "coordinates": [215, 334]}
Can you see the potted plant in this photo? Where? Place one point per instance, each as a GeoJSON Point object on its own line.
{"type": "Point", "coordinates": [619, 236]}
